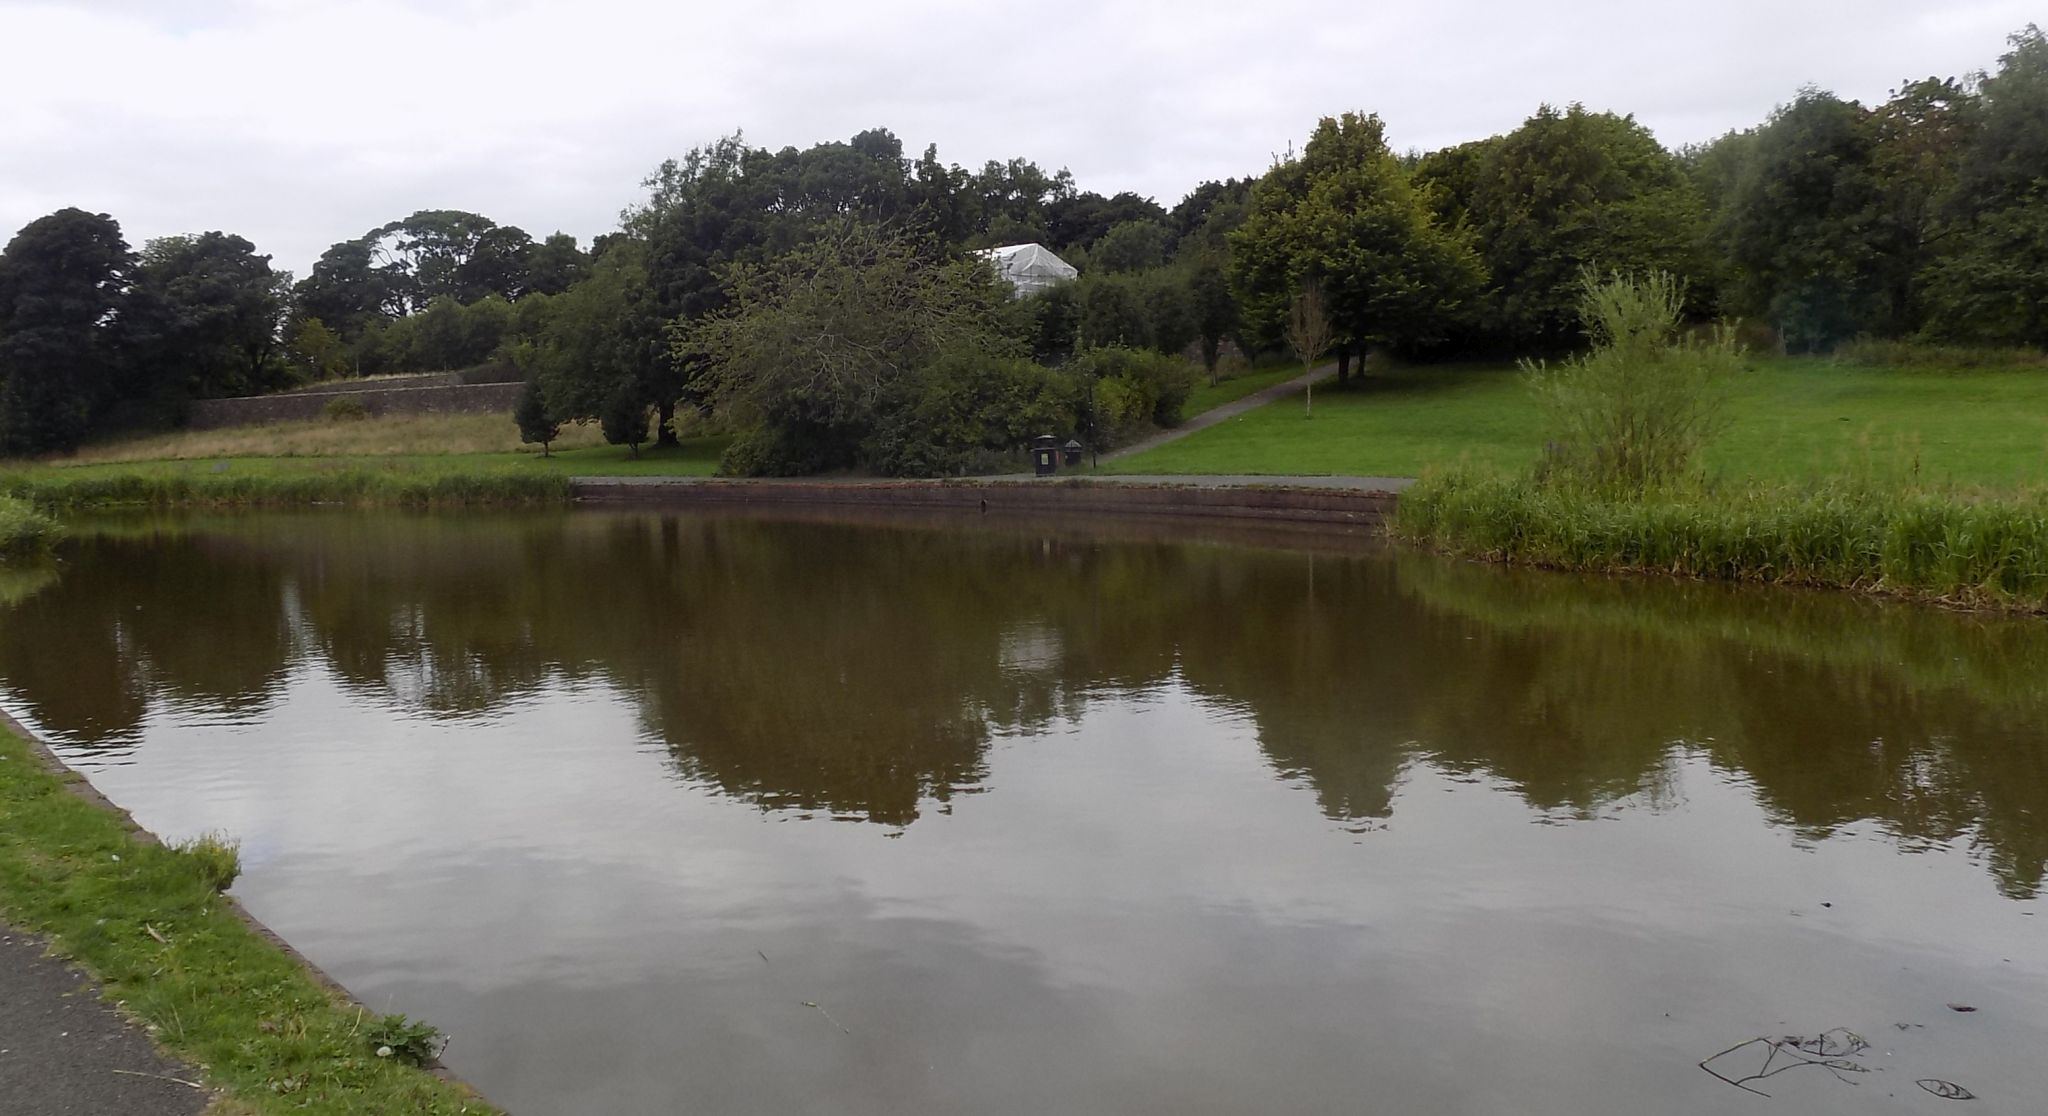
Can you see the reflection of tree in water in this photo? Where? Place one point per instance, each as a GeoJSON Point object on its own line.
{"type": "Point", "coordinates": [1838, 709]}
{"type": "Point", "coordinates": [192, 619]}
{"type": "Point", "coordinates": [862, 671]}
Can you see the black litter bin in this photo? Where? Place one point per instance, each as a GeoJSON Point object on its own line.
{"type": "Point", "coordinates": [1045, 454]}
{"type": "Point", "coordinates": [1071, 452]}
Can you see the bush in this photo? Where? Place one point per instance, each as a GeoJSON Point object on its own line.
{"type": "Point", "coordinates": [25, 532]}
{"type": "Point", "coordinates": [970, 414]}
{"type": "Point", "coordinates": [1134, 390]}
{"type": "Point", "coordinates": [346, 408]}
{"type": "Point", "coordinates": [775, 452]}
{"type": "Point", "coordinates": [1634, 411]}
{"type": "Point", "coordinates": [624, 419]}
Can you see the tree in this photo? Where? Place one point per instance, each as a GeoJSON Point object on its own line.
{"type": "Point", "coordinates": [1565, 191]}
{"type": "Point", "coordinates": [1346, 215]}
{"type": "Point", "coordinates": [1806, 230]}
{"type": "Point", "coordinates": [1130, 246]}
{"type": "Point", "coordinates": [624, 419]}
{"type": "Point", "coordinates": [818, 344]}
{"type": "Point", "coordinates": [205, 319]}
{"type": "Point", "coordinates": [1214, 308]}
{"type": "Point", "coordinates": [555, 265]}
{"type": "Point", "coordinates": [536, 422]}
{"type": "Point", "coordinates": [600, 339]}
{"type": "Point", "coordinates": [1308, 334]}
{"type": "Point", "coordinates": [1990, 284]}
{"type": "Point", "coordinates": [63, 286]}
{"type": "Point", "coordinates": [348, 291]}
{"type": "Point", "coordinates": [313, 352]}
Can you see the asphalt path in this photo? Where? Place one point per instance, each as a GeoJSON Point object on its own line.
{"type": "Point", "coordinates": [65, 1051]}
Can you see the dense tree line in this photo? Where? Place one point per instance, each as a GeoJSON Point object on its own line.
{"type": "Point", "coordinates": [1925, 216]}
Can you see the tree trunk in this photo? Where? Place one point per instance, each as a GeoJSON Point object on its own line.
{"type": "Point", "coordinates": [665, 428]}
{"type": "Point", "coordinates": [1343, 365]}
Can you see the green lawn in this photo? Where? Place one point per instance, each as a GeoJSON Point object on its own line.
{"type": "Point", "coordinates": [1792, 419]}
{"type": "Point", "coordinates": [1208, 397]}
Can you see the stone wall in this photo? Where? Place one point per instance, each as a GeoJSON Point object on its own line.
{"type": "Point", "coordinates": [1279, 503]}
{"type": "Point", "coordinates": [299, 406]}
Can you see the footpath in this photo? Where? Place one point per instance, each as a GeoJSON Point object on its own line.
{"type": "Point", "coordinates": [1228, 411]}
{"type": "Point", "coordinates": [64, 1051]}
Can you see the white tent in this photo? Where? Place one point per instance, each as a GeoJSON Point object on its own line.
{"type": "Point", "coordinates": [1030, 268]}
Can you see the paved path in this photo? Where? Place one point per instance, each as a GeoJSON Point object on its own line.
{"type": "Point", "coordinates": [66, 1052]}
{"type": "Point", "coordinates": [1228, 411]}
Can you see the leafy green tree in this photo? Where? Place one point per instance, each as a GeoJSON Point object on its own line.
{"type": "Point", "coordinates": [600, 339]}
{"type": "Point", "coordinates": [623, 418]}
{"type": "Point", "coordinates": [313, 352]}
{"type": "Point", "coordinates": [1130, 246]}
{"type": "Point", "coordinates": [817, 345]}
{"type": "Point", "coordinates": [536, 423]}
{"type": "Point", "coordinates": [500, 264]}
{"type": "Point", "coordinates": [1565, 191]}
{"type": "Point", "coordinates": [1214, 308]}
{"type": "Point", "coordinates": [63, 286]}
{"type": "Point", "coordinates": [1810, 243]}
{"type": "Point", "coordinates": [1922, 135]}
{"type": "Point", "coordinates": [555, 265]}
{"type": "Point", "coordinates": [204, 319]}
{"type": "Point", "coordinates": [349, 291]}
{"type": "Point", "coordinates": [1346, 215]}
{"type": "Point", "coordinates": [1081, 219]}
{"type": "Point", "coordinates": [1991, 283]}
{"type": "Point", "coordinates": [1114, 311]}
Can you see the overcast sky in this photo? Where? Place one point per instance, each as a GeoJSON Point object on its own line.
{"type": "Point", "coordinates": [299, 124]}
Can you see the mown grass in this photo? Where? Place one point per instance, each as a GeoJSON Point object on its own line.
{"type": "Point", "coordinates": [25, 530]}
{"type": "Point", "coordinates": [1969, 548]}
{"type": "Point", "coordinates": [1235, 385]}
{"type": "Point", "coordinates": [150, 923]}
{"type": "Point", "coordinates": [1797, 419]}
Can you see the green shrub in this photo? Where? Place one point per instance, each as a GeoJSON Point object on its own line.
{"type": "Point", "coordinates": [25, 532]}
{"type": "Point", "coordinates": [345, 408]}
{"type": "Point", "coordinates": [1134, 390]}
{"type": "Point", "coordinates": [1636, 410]}
{"type": "Point", "coordinates": [971, 414]}
{"type": "Point", "coordinates": [774, 452]}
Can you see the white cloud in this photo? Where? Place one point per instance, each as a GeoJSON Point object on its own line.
{"type": "Point", "coordinates": [299, 124]}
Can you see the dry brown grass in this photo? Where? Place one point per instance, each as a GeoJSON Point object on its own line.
{"type": "Point", "coordinates": [371, 437]}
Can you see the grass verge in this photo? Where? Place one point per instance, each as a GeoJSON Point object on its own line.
{"type": "Point", "coordinates": [25, 531]}
{"type": "Point", "coordinates": [150, 923]}
{"type": "Point", "coordinates": [1792, 420]}
{"type": "Point", "coordinates": [349, 483]}
{"type": "Point", "coordinates": [1980, 551]}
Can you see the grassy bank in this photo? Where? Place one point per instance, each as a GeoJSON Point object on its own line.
{"type": "Point", "coordinates": [1797, 419]}
{"type": "Point", "coordinates": [149, 922]}
{"type": "Point", "coordinates": [25, 531]}
{"type": "Point", "coordinates": [1974, 549]}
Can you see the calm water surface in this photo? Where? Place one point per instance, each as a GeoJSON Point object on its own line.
{"type": "Point", "coordinates": [700, 814]}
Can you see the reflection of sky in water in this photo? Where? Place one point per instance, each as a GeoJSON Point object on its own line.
{"type": "Point", "coordinates": [1138, 903]}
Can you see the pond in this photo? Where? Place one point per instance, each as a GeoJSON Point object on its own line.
{"type": "Point", "coordinates": [724, 814]}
